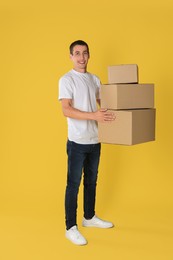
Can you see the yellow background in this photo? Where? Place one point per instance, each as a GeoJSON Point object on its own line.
{"type": "Point", "coordinates": [135, 183]}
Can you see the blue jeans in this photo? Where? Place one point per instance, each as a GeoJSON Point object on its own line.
{"type": "Point", "coordinates": [82, 158]}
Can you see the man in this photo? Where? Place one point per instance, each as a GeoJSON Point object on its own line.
{"type": "Point", "coordinates": [79, 95]}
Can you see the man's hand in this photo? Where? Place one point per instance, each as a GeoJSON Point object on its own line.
{"type": "Point", "coordinates": [102, 115]}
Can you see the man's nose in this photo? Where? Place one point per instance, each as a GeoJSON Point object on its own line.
{"type": "Point", "coordinates": [82, 56]}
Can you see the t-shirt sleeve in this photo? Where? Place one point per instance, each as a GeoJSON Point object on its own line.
{"type": "Point", "coordinates": [65, 89]}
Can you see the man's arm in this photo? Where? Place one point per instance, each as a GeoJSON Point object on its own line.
{"type": "Point", "coordinates": [100, 115]}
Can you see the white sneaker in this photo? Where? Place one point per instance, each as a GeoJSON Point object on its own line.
{"type": "Point", "coordinates": [75, 236]}
{"type": "Point", "coordinates": [96, 222]}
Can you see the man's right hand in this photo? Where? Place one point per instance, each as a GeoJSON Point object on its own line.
{"type": "Point", "coordinates": [103, 115]}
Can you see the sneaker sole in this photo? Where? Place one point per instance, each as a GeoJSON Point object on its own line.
{"type": "Point", "coordinates": [97, 226]}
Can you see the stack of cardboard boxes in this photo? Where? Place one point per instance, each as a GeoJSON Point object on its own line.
{"type": "Point", "coordinates": [133, 105]}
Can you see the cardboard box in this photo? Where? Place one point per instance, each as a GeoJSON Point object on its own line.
{"type": "Point", "coordinates": [130, 127]}
{"type": "Point", "coordinates": [127, 96]}
{"type": "Point", "coordinates": [127, 73]}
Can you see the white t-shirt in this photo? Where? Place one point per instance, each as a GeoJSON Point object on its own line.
{"type": "Point", "coordinates": [83, 89]}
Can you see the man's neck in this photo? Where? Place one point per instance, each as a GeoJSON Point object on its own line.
{"type": "Point", "coordinates": [80, 70]}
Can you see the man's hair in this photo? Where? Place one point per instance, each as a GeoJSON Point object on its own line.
{"type": "Point", "coordinates": [78, 42]}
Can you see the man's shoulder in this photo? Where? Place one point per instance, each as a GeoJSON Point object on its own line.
{"type": "Point", "coordinates": [67, 75]}
{"type": "Point", "coordinates": [67, 78]}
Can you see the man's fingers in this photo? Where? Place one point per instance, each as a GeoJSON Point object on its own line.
{"type": "Point", "coordinates": [109, 116]}
{"type": "Point", "coordinates": [103, 109]}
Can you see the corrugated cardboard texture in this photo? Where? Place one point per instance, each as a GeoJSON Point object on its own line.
{"type": "Point", "coordinates": [130, 127]}
{"type": "Point", "coordinates": [126, 73]}
{"type": "Point", "coordinates": [127, 96]}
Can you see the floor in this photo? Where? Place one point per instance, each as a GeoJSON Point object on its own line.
{"type": "Point", "coordinates": [139, 234]}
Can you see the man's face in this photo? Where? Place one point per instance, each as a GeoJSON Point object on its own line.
{"type": "Point", "coordinates": [80, 58]}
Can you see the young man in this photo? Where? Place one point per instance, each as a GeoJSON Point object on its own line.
{"type": "Point", "coordinates": [79, 95]}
